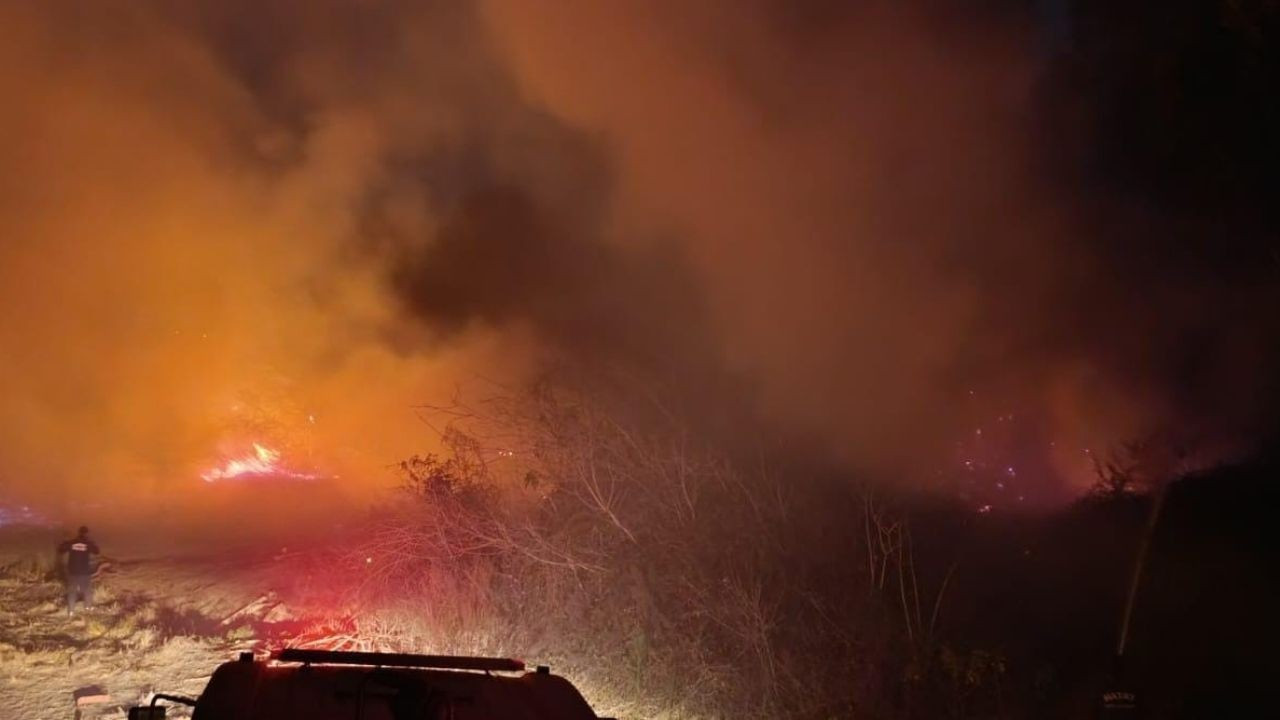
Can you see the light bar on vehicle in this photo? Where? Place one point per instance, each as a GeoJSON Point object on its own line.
{"type": "Point", "coordinates": [438, 662]}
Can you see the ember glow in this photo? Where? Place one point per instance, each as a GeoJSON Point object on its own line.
{"type": "Point", "coordinates": [263, 462]}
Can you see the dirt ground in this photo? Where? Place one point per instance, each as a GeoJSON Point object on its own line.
{"type": "Point", "coordinates": [159, 624]}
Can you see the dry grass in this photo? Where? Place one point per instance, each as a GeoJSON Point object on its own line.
{"type": "Point", "coordinates": [122, 644]}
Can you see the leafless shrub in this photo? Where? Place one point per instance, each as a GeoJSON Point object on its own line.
{"type": "Point", "coordinates": [1140, 466]}
{"type": "Point", "coordinates": [660, 568]}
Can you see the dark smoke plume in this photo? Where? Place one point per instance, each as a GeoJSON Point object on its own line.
{"type": "Point", "coordinates": [879, 224]}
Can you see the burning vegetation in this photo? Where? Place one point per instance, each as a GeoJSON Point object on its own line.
{"type": "Point", "coordinates": [666, 577]}
{"type": "Point", "coordinates": [263, 462]}
{"type": "Point", "coordinates": [753, 359]}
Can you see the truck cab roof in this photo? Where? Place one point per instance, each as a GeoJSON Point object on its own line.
{"type": "Point", "coordinates": [320, 685]}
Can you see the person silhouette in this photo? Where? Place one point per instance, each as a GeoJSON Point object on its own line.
{"type": "Point", "coordinates": [79, 551]}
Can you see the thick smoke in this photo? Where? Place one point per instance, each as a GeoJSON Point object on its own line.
{"type": "Point", "coordinates": [887, 245]}
{"type": "Point", "coordinates": [183, 272]}
{"type": "Point", "coordinates": [295, 221]}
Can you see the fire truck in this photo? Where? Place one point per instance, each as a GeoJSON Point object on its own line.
{"type": "Point", "coordinates": [333, 685]}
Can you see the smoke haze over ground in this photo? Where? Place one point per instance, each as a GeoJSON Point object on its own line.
{"type": "Point", "coordinates": [293, 222]}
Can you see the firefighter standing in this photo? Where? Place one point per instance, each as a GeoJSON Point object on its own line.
{"type": "Point", "coordinates": [79, 551]}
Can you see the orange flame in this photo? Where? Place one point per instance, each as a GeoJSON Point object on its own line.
{"type": "Point", "coordinates": [264, 462]}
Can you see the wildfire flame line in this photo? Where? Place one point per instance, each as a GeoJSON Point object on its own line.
{"type": "Point", "coordinates": [264, 462]}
